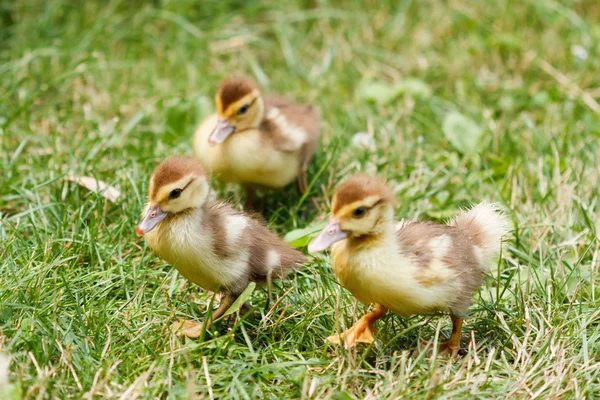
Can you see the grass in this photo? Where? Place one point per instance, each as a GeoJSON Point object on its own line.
{"type": "Point", "coordinates": [108, 89]}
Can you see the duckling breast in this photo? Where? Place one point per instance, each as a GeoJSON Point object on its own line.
{"type": "Point", "coordinates": [188, 243]}
{"type": "Point", "coordinates": [245, 157]}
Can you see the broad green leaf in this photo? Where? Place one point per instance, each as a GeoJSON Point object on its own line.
{"type": "Point", "coordinates": [343, 395]}
{"type": "Point", "coordinates": [380, 92]}
{"type": "Point", "coordinates": [11, 391]}
{"type": "Point", "coordinates": [376, 92]}
{"type": "Point", "coordinates": [415, 87]}
{"type": "Point", "coordinates": [301, 237]}
{"type": "Point", "coordinates": [462, 132]}
{"type": "Point", "coordinates": [237, 304]}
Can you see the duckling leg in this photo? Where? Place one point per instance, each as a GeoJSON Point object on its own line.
{"type": "Point", "coordinates": [193, 329]}
{"type": "Point", "coordinates": [453, 344]}
{"type": "Point", "coordinates": [361, 331]}
{"type": "Point", "coordinates": [302, 182]}
{"type": "Point", "coordinates": [249, 198]}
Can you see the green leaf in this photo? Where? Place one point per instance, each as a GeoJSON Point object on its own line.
{"type": "Point", "coordinates": [376, 92]}
{"type": "Point", "coordinates": [301, 237]}
{"type": "Point", "coordinates": [343, 395]}
{"type": "Point", "coordinates": [462, 132]}
{"type": "Point", "coordinates": [237, 304]}
{"type": "Point", "coordinates": [414, 87]}
{"type": "Point", "coordinates": [383, 93]}
{"type": "Point", "coordinates": [11, 391]}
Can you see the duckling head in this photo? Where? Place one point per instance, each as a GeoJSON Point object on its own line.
{"type": "Point", "coordinates": [362, 207]}
{"type": "Point", "coordinates": [239, 107]}
{"type": "Point", "coordinates": [177, 185]}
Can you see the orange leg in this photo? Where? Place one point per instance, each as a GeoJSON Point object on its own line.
{"type": "Point", "coordinates": [453, 344]}
{"type": "Point", "coordinates": [361, 331]}
{"type": "Point", "coordinates": [193, 329]}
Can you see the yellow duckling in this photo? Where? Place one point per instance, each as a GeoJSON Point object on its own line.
{"type": "Point", "coordinates": [256, 141]}
{"type": "Point", "coordinates": [409, 267]}
{"type": "Point", "coordinates": [210, 243]}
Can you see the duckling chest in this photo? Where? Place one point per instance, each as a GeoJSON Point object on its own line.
{"type": "Point", "coordinates": [382, 276]}
{"type": "Point", "coordinates": [248, 157]}
{"type": "Point", "coordinates": [190, 251]}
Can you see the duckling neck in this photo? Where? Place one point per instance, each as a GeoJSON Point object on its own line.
{"type": "Point", "coordinates": [385, 237]}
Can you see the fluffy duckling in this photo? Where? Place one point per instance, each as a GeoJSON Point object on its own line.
{"type": "Point", "coordinates": [257, 141]}
{"type": "Point", "coordinates": [210, 243]}
{"type": "Point", "coordinates": [409, 267]}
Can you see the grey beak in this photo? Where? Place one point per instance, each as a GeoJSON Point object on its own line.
{"type": "Point", "coordinates": [153, 217]}
{"type": "Point", "coordinates": [329, 235]}
{"type": "Point", "coordinates": [221, 132]}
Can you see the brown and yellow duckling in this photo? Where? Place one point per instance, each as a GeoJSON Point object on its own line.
{"type": "Point", "coordinates": [211, 244]}
{"type": "Point", "coordinates": [257, 141]}
{"type": "Point", "coordinates": [409, 267]}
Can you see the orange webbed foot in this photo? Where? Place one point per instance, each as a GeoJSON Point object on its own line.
{"type": "Point", "coordinates": [361, 332]}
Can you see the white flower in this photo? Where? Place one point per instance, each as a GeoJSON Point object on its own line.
{"type": "Point", "coordinates": [579, 52]}
{"type": "Point", "coordinates": [363, 140]}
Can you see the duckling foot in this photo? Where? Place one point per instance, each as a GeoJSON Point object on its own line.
{"type": "Point", "coordinates": [193, 329]}
{"type": "Point", "coordinates": [452, 346]}
{"type": "Point", "coordinates": [187, 328]}
{"type": "Point", "coordinates": [362, 331]}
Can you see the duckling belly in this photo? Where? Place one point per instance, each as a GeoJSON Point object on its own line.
{"type": "Point", "coordinates": [246, 157]}
{"type": "Point", "coordinates": [183, 245]}
{"type": "Point", "coordinates": [394, 282]}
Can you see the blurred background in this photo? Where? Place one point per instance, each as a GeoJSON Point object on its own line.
{"type": "Point", "coordinates": [454, 102]}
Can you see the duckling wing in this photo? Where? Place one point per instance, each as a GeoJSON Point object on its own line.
{"type": "Point", "coordinates": [292, 127]}
{"type": "Point", "coordinates": [245, 240]}
{"type": "Point", "coordinates": [423, 241]}
{"type": "Point", "coordinates": [445, 260]}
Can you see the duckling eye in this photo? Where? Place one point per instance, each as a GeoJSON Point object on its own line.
{"type": "Point", "coordinates": [359, 212]}
{"type": "Point", "coordinates": [243, 110]}
{"type": "Point", "coordinates": [175, 194]}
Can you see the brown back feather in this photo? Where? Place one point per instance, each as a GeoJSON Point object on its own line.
{"type": "Point", "coordinates": [414, 239]}
{"type": "Point", "coordinates": [304, 116]}
{"type": "Point", "coordinates": [258, 240]}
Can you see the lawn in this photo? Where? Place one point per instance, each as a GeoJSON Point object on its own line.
{"type": "Point", "coordinates": [455, 102]}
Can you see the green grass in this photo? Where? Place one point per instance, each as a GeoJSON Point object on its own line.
{"type": "Point", "coordinates": [108, 89]}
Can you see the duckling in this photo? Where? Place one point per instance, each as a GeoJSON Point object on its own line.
{"type": "Point", "coordinates": [408, 268]}
{"type": "Point", "coordinates": [257, 141]}
{"type": "Point", "coordinates": [211, 244]}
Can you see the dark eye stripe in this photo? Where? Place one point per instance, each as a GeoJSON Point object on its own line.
{"type": "Point", "coordinates": [175, 193]}
{"type": "Point", "coordinates": [359, 212]}
{"type": "Point", "coordinates": [246, 107]}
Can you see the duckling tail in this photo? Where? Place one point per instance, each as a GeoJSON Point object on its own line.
{"type": "Point", "coordinates": [486, 224]}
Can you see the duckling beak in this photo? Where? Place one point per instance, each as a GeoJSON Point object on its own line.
{"type": "Point", "coordinates": [152, 218]}
{"type": "Point", "coordinates": [221, 132]}
{"type": "Point", "coordinates": [329, 235]}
